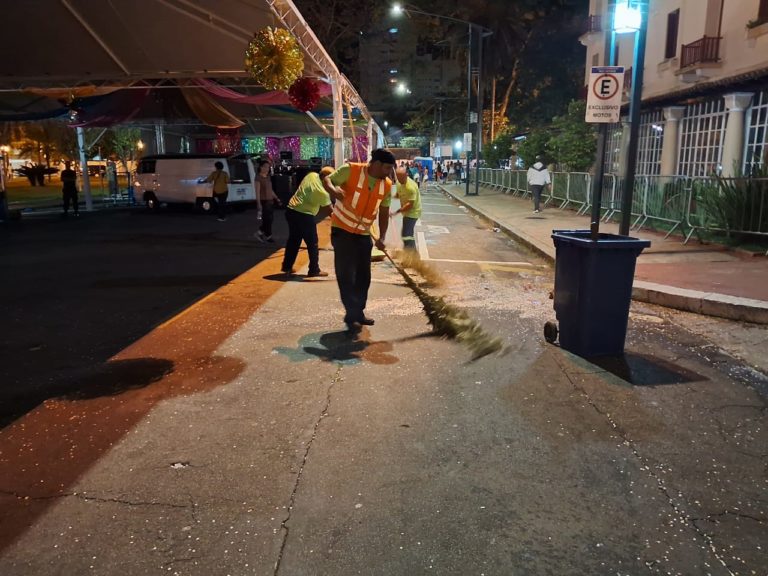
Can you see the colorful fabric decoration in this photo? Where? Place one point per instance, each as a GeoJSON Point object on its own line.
{"type": "Point", "coordinates": [254, 145]}
{"type": "Point", "coordinates": [325, 148]}
{"type": "Point", "coordinates": [309, 147]}
{"type": "Point", "coordinates": [208, 111]}
{"type": "Point", "coordinates": [227, 141]}
{"type": "Point", "coordinates": [274, 58]}
{"type": "Point", "coordinates": [272, 146]}
{"type": "Point", "coordinates": [291, 144]}
{"type": "Point", "coordinates": [356, 149]}
{"type": "Point", "coordinates": [304, 94]}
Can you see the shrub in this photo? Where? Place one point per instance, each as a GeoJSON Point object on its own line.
{"type": "Point", "coordinates": [736, 205]}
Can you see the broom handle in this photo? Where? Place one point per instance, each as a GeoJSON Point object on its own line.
{"type": "Point", "coordinates": [408, 280]}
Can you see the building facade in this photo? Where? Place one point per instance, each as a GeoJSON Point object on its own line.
{"type": "Point", "coordinates": [414, 57]}
{"type": "Point", "coordinates": [705, 87]}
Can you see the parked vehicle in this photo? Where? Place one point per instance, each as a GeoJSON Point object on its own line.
{"type": "Point", "coordinates": [180, 179]}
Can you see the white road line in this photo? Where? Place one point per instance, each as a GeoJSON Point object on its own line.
{"type": "Point", "coordinates": [444, 213]}
{"type": "Point", "coordinates": [421, 245]}
{"type": "Point", "coordinates": [492, 262]}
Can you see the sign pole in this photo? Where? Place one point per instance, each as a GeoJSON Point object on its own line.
{"type": "Point", "coordinates": [602, 137]}
{"type": "Point", "coordinates": [597, 182]}
{"type": "Point", "coordinates": [603, 107]}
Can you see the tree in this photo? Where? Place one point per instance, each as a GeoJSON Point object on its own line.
{"type": "Point", "coordinates": [499, 150]}
{"type": "Point", "coordinates": [573, 143]}
{"type": "Point", "coordinates": [420, 142]}
{"type": "Point", "coordinates": [122, 144]}
{"type": "Point", "coordinates": [534, 145]}
{"type": "Point", "coordinates": [46, 141]}
{"type": "Point", "coordinates": [534, 54]}
{"type": "Point", "coordinates": [338, 25]}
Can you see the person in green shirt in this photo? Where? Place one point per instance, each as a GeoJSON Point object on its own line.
{"type": "Point", "coordinates": [309, 200]}
{"type": "Point", "coordinates": [410, 206]}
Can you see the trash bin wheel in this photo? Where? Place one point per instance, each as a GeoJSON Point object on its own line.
{"type": "Point", "coordinates": [550, 332]}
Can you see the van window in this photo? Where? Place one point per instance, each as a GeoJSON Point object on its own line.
{"type": "Point", "coordinates": [146, 167]}
{"type": "Point", "coordinates": [238, 171]}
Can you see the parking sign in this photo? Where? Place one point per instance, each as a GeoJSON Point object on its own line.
{"type": "Point", "coordinates": [604, 95]}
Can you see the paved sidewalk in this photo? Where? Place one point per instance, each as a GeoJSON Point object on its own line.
{"type": "Point", "coordinates": [703, 278]}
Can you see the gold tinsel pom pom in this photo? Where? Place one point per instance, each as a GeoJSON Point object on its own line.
{"type": "Point", "coordinates": [274, 58]}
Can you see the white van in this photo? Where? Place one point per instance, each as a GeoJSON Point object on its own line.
{"type": "Point", "coordinates": [180, 179]}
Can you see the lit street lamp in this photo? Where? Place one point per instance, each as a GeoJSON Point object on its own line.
{"type": "Point", "coordinates": [626, 16]}
{"type": "Point", "coordinates": [631, 16]}
{"type": "Point", "coordinates": [477, 34]}
{"type": "Point", "coordinates": [402, 89]}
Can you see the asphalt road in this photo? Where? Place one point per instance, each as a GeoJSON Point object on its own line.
{"type": "Point", "coordinates": [77, 291]}
{"type": "Point", "coordinates": [262, 439]}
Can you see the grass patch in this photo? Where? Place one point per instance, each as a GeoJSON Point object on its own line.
{"type": "Point", "coordinates": [21, 194]}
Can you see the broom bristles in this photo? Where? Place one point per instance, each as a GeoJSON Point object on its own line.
{"type": "Point", "coordinates": [446, 320]}
{"type": "Point", "coordinates": [454, 323]}
{"type": "Point", "coordinates": [411, 259]}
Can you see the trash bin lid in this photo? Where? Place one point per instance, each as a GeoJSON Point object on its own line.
{"type": "Point", "coordinates": [583, 238]}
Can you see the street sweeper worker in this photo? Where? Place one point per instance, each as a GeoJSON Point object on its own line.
{"type": "Point", "coordinates": [310, 199]}
{"type": "Point", "coordinates": [410, 206]}
{"type": "Point", "coordinates": [362, 191]}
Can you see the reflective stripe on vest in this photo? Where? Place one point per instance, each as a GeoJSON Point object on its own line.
{"type": "Point", "coordinates": [356, 212]}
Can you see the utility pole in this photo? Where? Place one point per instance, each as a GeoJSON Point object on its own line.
{"type": "Point", "coordinates": [493, 109]}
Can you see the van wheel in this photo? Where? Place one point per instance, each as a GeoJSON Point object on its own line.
{"type": "Point", "coordinates": [205, 205]}
{"type": "Point", "coordinates": [151, 201]}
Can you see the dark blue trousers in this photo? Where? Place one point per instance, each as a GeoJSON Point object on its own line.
{"type": "Point", "coordinates": [301, 227]}
{"type": "Point", "coordinates": [352, 259]}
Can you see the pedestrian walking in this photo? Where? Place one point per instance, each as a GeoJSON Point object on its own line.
{"type": "Point", "coordinates": [410, 207]}
{"type": "Point", "coordinates": [220, 181]}
{"type": "Point", "coordinates": [424, 176]}
{"type": "Point", "coordinates": [538, 178]}
{"type": "Point", "coordinates": [69, 189]}
{"type": "Point", "coordinates": [361, 191]}
{"type": "Point", "coordinates": [310, 199]}
{"type": "Point", "coordinates": [267, 200]}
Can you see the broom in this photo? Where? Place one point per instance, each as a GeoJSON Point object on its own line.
{"type": "Point", "coordinates": [449, 321]}
{"type": "Point", "coordinates": [411, 259]}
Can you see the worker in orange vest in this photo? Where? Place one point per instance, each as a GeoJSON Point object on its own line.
{"type": "Point", "coordinates": [362, 191]}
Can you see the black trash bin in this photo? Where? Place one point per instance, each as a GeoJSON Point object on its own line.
{"type": "Point", "coordinates": [593, 290]}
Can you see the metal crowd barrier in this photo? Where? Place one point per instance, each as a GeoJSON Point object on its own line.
{"type": "Point", "coordinates": [728, 205]}
{"type": "Point", "coordinates": [665, 199]}
{"type": "Point", "coordinates": [671, 203]}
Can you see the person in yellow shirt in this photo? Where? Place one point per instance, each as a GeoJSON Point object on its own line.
{"type": "Point", "coordinates": [410, 206]}
{"type": "Point", "coordinates": [310, 199]}
{"type": "Point", "coordinates": [220, 180]}
{"type": "Point", "coordinates": [362, 192]}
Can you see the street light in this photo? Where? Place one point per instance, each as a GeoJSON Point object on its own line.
{"type": "Point", "coordinates": [481, 32]}
{"type": "Point", "coordinates": [631, 16]}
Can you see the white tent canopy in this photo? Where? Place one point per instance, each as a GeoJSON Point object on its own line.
{"type": "Point", "coordinates": [49, 44]}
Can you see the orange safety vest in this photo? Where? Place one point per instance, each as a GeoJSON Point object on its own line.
{"type": "Point", "coordinates": [355, 213]}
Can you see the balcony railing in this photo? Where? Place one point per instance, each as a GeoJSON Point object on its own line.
{"type": "Point", "coordinates": [593, 24]}
{"type": "Point", "coordinates": [706, 49]}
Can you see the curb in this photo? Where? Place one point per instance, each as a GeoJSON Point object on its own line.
{"type": "Point", "coordinates": [705, 303]}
